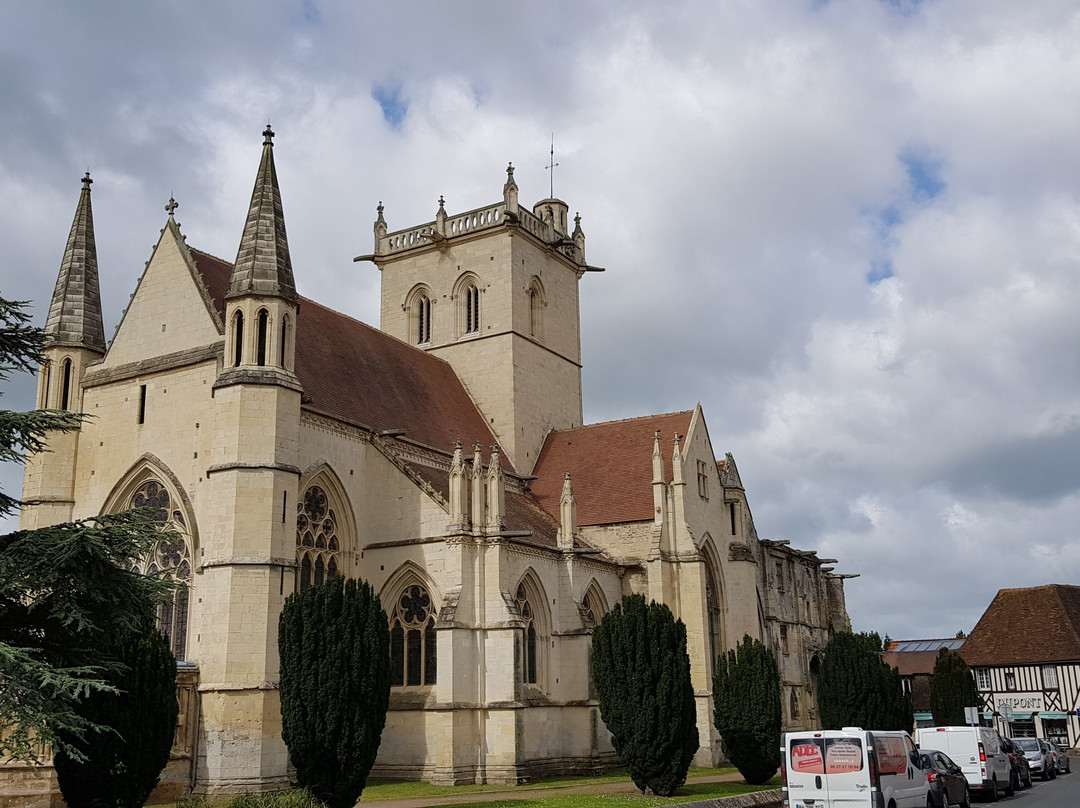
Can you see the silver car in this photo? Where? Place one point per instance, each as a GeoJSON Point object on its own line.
{"type": "Point", "coordinates": [1038, 758]}
{"type": "Point", "coordinates": [1063, 765]}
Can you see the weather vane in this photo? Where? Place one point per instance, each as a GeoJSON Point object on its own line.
{"type": "Point", "coordinates": [551, 167]}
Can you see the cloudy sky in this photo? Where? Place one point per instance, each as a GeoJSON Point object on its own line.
{"type": "Point", "coordinates": [850, 229]}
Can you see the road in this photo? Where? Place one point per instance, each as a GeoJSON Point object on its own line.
{"type": "Point", "coordinates": [1064, 792]}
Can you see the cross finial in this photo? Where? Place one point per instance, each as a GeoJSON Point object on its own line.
{"type": "Point", "coordinates": [172, 206]}
{"type": "Point", "coordinates": [268, 135]}
{"type": "Point", "coordinates": [442, 202]}
{"type": "Point", "coordinates": [551, 167]}
{"type": "Point", "coordinates": [86, 181]}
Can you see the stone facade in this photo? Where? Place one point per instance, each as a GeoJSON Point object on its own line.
{"type": "Point", "coordinates": [443, 459]}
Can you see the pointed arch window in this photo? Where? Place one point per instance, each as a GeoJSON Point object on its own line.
{"type": "Point", "coordinates": [283, 349]}
{"type": "Point", "coordinates": [423, 318]}
{"type": "Point", "coordinates": [65, 393]}
{"type": "Point", "coordinates": [714, 609]}
{"type": "Point", "coordinates": [413, 647]}
{"type": "Point", "coordinates": [262, 334]}
{"type": "Point", "coordinates": [529, 645]}
{"type": "Point", "coordinates": [318, 546]}
{"type": "Point", "coordinates": [238, 339]}
{"type": "Point", "coordinates": [536, 309]}
{"type": "Point", "coordinates": [471, 298]}
{"type": "Point", "coordinates": [171, 557]}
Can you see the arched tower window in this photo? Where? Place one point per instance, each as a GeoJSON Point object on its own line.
{"type": "Point", "coordinates": [413, 649]}
{"type": "Point", "coordinates": [283, 349]}
{"type": "Point", "coordinates": [471, 298]}
{"type": "Point", "coordinates": [238, 339]}
{"type": "Point", "coordinates": [536, 309]}
{"type": "Point", "coordinates": [65, 392]}
{"type": "Point", "coordinates": [262, 334]}
{"type": "Point", "coordinates": [318, 546]}
{"type": "Point", "coordinates": [170, 557]}
{"type": "Point", "coordinates": [46, 380]}
{"type": "Point", "coordinates": [423, 318]}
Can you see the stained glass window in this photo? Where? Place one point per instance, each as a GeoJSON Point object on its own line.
{"type": "Point", "coordinates": [413, 652]}
{"type": "Point", "coordinates": [170, 557]}
{"type": "Point", "coordinates": [317, 543]}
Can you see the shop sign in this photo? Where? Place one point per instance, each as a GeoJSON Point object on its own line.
{"type": "Point", "coordinates": [1019, 702]}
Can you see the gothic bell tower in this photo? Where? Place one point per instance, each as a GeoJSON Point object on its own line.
{"type": "Point", "coordinates": [75, 338]}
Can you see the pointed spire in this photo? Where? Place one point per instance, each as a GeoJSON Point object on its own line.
{"type": "Point", "coordinates": [496, 493]}
{"type": "Point", "coordinates": [75, 312]}
{"type": "Point", "coordinates": [567, 515]}
{"type": "Point", "coordinates": [676, 463]}
{"type": "Point", "coordinates": [657, 459]}
{"type": "Point", "coordinates": [479, 506]}
{"type": "Point", "coordinates": [459, 490]}
{"type": "Point", "coordinates": [262, 265]}
{"type": "Point", "coordinates": [510, 190]}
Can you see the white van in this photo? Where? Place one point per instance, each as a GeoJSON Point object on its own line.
{"type": "Point", "coordinates": [976, 750]}
{"type": "Point", "coordinates": [852, 768]}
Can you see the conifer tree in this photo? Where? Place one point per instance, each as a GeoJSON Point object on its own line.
{"type": "Point", "coordinates": [642, 676]}
{"type": "Point", "coordinates": [334, 646]}
{"type": "Point", "coordinates": [120, 764]}
{"type": "Point", "coordinates": [952, 688]}
{"type": "Point", "coordinates": [857, 689]}
{"type": "Point", "coordinates": [747, 711]}
{"type": "Point", "coordinates": [65, 590]}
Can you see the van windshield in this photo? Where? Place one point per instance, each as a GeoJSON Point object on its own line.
{"type": "Point", "coordinates": [826, 755]}
{"type": "Point", "coordinates": [1027, 744]}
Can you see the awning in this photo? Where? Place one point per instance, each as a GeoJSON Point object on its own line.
{"type": "Point", "coordinates": [924, 716]}
{"type": "Point", "coordinates": [1018, 716]}
{"type": "Point", "coordinates": [1053, 715]}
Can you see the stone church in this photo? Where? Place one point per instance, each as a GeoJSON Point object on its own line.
{"type": "Point", "coordinates": [441, 456]}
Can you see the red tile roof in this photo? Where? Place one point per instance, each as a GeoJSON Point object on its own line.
{"type": "Point", "coordinates": [359, 374]}
{"type": "Point", "coordinates": [1027, 626]}
{"type": "Point", "coordinates": [610, 466]}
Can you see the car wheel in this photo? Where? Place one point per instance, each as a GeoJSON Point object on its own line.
{"type": "Point", "coordinates": [1044, 774]}
{"type": "Point", "coordinates": [1028, 783]}
{"type": "Point", "coordinates": [930, 801]}
{"type": "Point", "coordinates": [1010, 789]}
{"type": "Point", "coordinates": [945, 799]}
{"type": "Point", "coordinates": [1053, 770]}
{"type": "Point", "coordinates": [966, 802]}
{"type": "Point", "coordinates": [993, 795]}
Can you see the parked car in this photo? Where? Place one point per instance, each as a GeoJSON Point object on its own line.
{"type": "Point", "coordinates": [1064, 766]}
{"type": "Point", "coordinates": [1021, 771]}
{"type": "Point", "coordinates": [1040, 762]}
{"type": "Point", "coordinates": [1051, 755]}
{"type": "Point", "coordinates": [948, 784]}
{"type": "Point", "coordinates": [976, 750]}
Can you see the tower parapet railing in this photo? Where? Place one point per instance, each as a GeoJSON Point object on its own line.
{"type": "Point", "coordinates": [472, 221]}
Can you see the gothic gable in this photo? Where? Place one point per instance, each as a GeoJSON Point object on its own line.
{"type": "Point", "coordinates": [170, 311]}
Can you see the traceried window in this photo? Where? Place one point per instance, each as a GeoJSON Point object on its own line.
{"type": "Point", "coordinates": [413, 650]}
{"type": "Point", "coordinates": [1049, 677]}
{"type": "Point", "coordinates": [171, 557]}
{"type": "Point", "coordinates": [982, 678]}
{"type": "Point", "coordinates": [589, 610]}
{"type": "Point", "coordinates": [318, 547]}
{"type": "Point", "coordinates": [528, 656]}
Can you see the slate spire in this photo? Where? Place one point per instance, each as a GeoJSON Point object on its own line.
{"type": "Point", "coordinates": [75, 311]}
{"type": "Point", "coordinates": [262, 262]}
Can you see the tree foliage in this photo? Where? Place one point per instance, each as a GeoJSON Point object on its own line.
{"type": "Point", "coordinates": [118, 767]}
{"type": "Point", "coordinates": [642, 676]}
{"type": "Point", "coordinates": [857, 689]}
{"type": "Point", "coordinates": [747, 710]}
{"type": "Point", "coordinates": [65, 591]}
{"type": "Point", "coordinates": [952, 688]}
{"type": "Point", "coordinates": [334, 646]}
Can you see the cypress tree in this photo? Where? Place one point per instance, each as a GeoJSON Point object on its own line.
{"type": "Point", "coordinates": [119, 764]}
{"type": "Point", "coordinates": [642, 676]}
{"type": "Point", "coordinates": [952, 688]}
{"type": "Point", "coordinates": [334, 646]}
{"type": "Point", "coordinates": [747, 711]}
{"type": "Point", "coordinates": [857, 689]}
